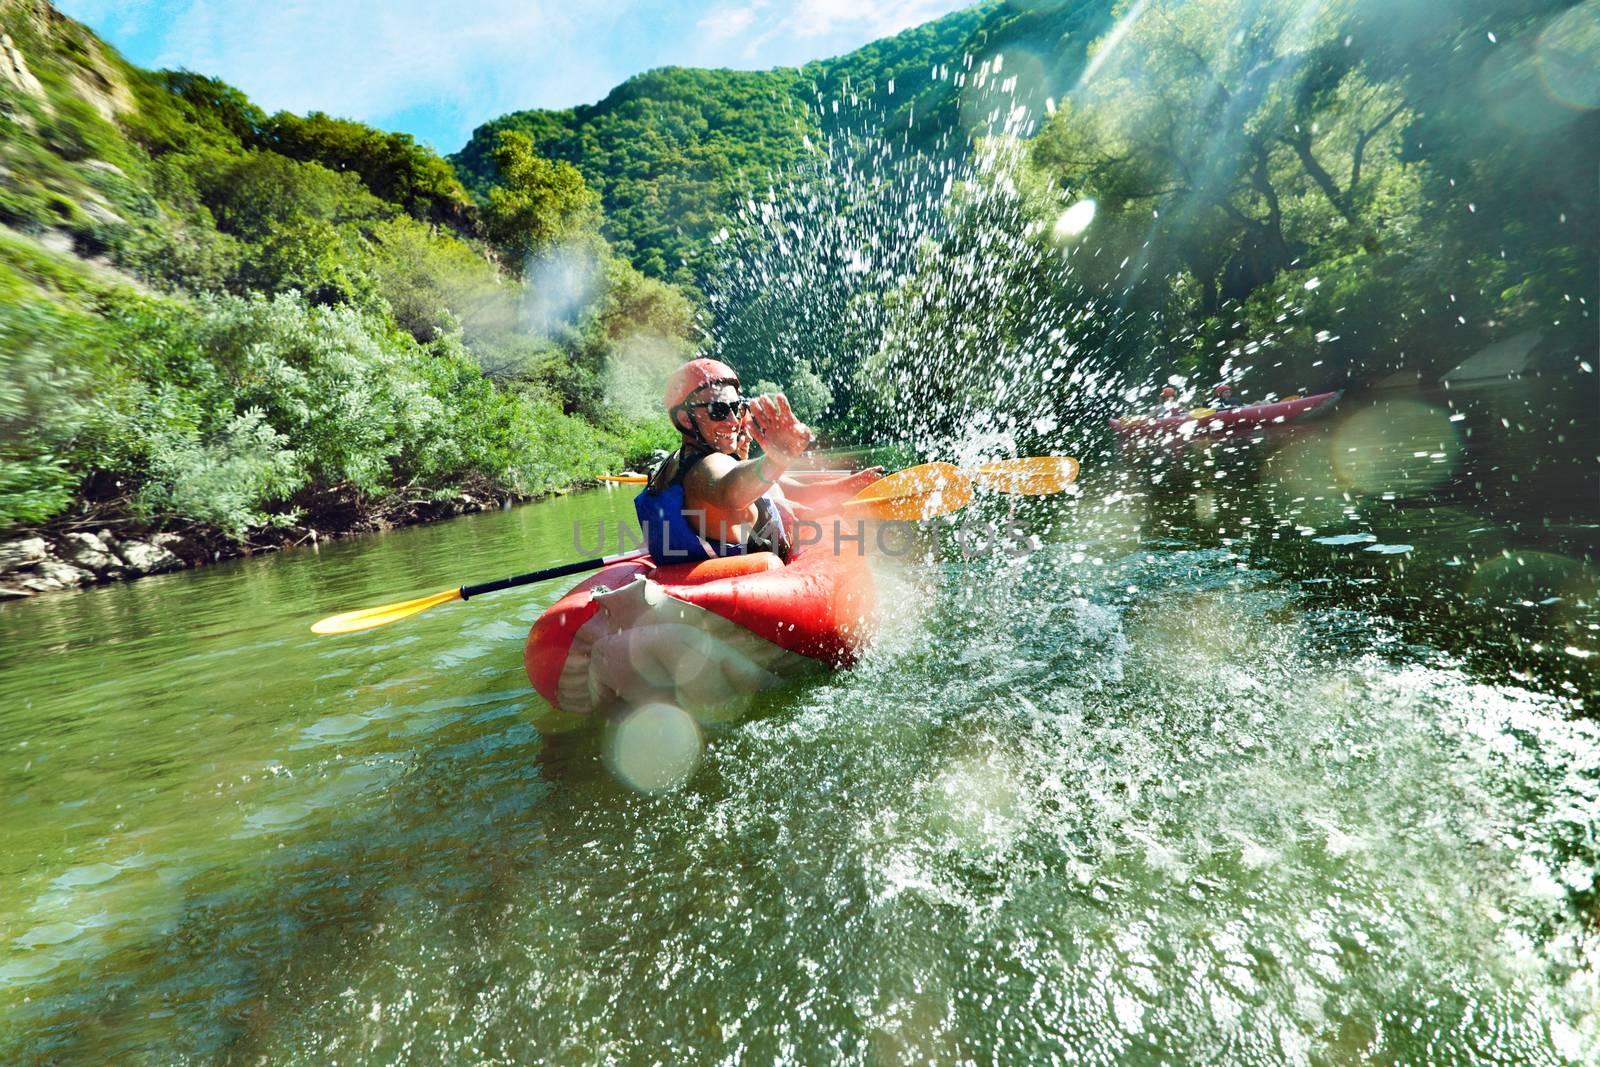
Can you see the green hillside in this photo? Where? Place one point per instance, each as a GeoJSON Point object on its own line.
{"type": "Point", "coordinates": [671, 151]}
{"type": "Point", "coordinates": [247, 328]}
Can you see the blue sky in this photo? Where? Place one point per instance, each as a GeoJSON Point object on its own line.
{"type": "Point", "coordinates": [437, 70]}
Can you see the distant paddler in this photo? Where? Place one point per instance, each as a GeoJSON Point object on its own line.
{"type": "Point", "coordinates": [1222, 397]}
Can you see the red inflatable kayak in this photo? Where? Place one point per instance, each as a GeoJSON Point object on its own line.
{"type": "Point", "coordinates": [699, 634]}
{"type": "Point", "coordinates": [1226, 420]}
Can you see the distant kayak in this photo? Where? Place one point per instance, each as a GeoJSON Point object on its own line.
{"type": "Point", "coordinates": [1226, 420]}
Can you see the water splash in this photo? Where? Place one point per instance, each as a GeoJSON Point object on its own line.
{"type": "Point", "coordinates": [922, 287]}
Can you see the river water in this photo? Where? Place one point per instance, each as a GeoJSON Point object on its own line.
{"type": "Point", "coordinates": [1278, 752]}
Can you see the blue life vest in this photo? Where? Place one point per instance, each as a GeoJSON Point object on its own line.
{"type": "Point", "coordinates": [672, 538]}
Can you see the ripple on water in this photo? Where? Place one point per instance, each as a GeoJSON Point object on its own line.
{"type": "Point", "coordinates": [1048, 821]}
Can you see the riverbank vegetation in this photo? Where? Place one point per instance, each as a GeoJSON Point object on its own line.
{"type": "Point", "coordinates": [252, 328]}
{"type": "Point", "coordinates": [262, 325]}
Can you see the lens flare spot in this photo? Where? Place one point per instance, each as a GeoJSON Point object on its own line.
{"type": "Point", "coordinates": [636, 365]}
{"type": "Point", "coordinates": [1402, 447]}
{"type": "Point", "coordinates": [1201, 633]}
{"type": "Point", "coordinates": [1303, 488]}
{"type": "Point", "coordinates": [1569, 56]}
{"type": "Point", "coordinates": [1073, 221]}
{"type": "Point", "coordinates": [1513, 87]}
{"type": "Point", "coordinates": [979, 801]}
{"type": "Point", "coordinates": [561, 282]}
{"type": "Point", "coordinates": [654, 748]}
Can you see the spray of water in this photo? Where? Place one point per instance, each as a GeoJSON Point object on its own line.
{"type": "Point", "coordinates": [1293, 835]}
{"type": "Point", "coordinates": [938, 308]}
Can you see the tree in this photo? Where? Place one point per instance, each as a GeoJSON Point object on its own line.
{"type": "Point", "coordinates": [391, 165]}
{"type": "Point", "coordinates": [1228, 143]}
{"type": "Point", "coordinates": [539, 203]}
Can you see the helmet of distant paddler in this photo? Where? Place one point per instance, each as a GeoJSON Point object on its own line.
{"type": "Point", "coordinates": [1168, 393]}
{"type": "Point", "coordinates": [1222, 389]}
{"type": "Point", "coordinates": [695, 375]}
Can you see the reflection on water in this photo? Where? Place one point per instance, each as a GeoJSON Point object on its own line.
{"type": "Point", "coordinates": [1206, 780]}
{"type": "Point", "coordinates": [1468, 515]}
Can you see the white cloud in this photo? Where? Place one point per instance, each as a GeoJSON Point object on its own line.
{"type": "Point", "coordinates": [836, 22]}
{"type": "Point", "coordinates": [880, 18]}
{"type": "Point", "coordinates": [726, 22]}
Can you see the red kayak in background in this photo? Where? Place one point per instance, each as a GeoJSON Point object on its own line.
{"type": "Point", "coordinates": [1209, 421]}
{"type": "Point", "coordinates": [699, 634]}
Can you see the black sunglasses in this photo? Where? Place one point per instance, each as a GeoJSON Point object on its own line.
{"type": "Point", "coordinates": [720, 410]}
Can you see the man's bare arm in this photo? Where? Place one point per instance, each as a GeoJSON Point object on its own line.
{"type": "Point", "coordinates": [725, 484]}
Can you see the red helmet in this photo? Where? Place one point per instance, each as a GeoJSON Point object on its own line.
{"type": "Point", "coordinates": [1222, 390]}
{"type": "Point", "coordinates": [695, 375]}
{"type": "Point", "coordinates": [1169, 391]}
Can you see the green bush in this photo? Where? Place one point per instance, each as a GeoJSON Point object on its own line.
{"type": "Point", "coordinates": [642, 440]}
{"type": "Point", "coordinates": [38, 416]}
{"type": "Point", "coordinates": [224, 479]}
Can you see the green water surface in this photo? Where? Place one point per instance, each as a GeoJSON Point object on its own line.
{"type": "Point", "coordinates": [1174, 788]}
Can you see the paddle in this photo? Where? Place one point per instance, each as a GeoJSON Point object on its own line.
{"type": "Point", "coordinates": [916, 493]}
{"type": "Point", "coordinates": [367, 618]}
{"type": "Point", "coordinates": [1029, 476]}
{"type": "Point", "coordinates": [934, 489]}
{"type": "Point", "coordinates": [919, 492]}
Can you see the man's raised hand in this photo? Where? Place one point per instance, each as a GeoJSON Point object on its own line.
{"type": "Point", "coordinates": [773, 425]}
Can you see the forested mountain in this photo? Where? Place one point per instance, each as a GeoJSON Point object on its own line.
{"type": "Point", "coordinates": [1328, 194]}
{"type": "Point", "coordinates": [243, 328]}
{"type": "Point", "coordinates": [673, 151]}
{"type": "Point", "coordinates": [248, 326]}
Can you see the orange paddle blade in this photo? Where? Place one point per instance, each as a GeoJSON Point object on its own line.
{"type": "Point", "coordinates": [921, 492]}
{"type": "Point", "coordinates": [1031, 476]}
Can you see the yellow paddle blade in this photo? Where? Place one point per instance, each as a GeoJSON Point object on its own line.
{"type": "Point", "coordinates": [1031, 476]}
{"type": "Point", "coordinates": [629, 479]}
{"type": "Point", "coordinates": [914, 507]}
{"type": "Point", "coordinates": [1202, 413]}
{"type": "Point", "coordinates": [915, 493]}
{"type": "Point", "coordinates": [367, 618]}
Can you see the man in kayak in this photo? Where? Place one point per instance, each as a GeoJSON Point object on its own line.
{"type": "Point", "coordinates": [1169, 403]}
{"type": "Point", "coordinates": [1222, 397]}
{"type": "Point", "coordinates": [704, 500]}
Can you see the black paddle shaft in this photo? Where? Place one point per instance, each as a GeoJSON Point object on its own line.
{"type": "Point", "coordinates": [470, 591]}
